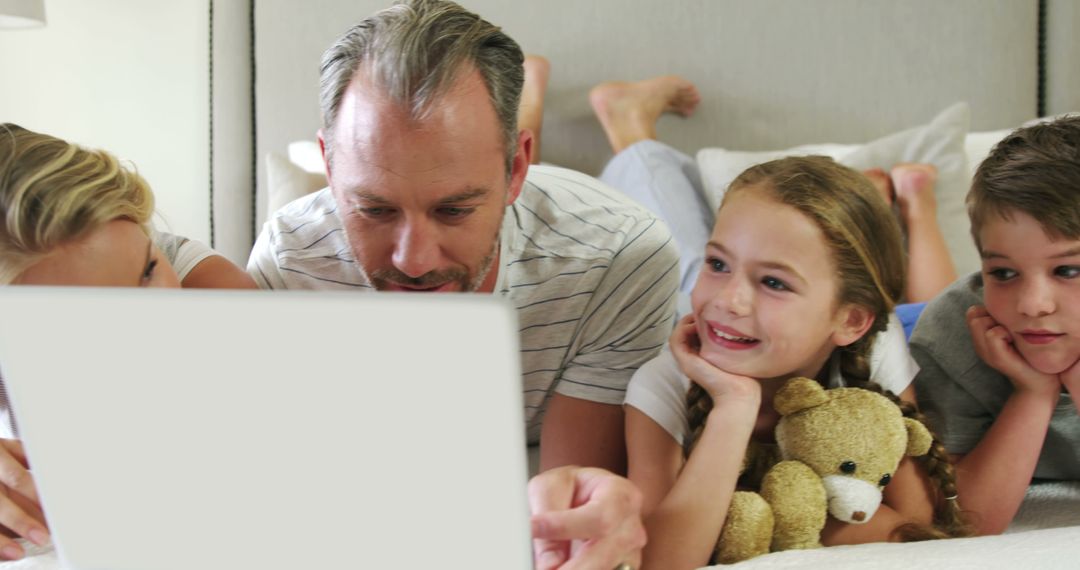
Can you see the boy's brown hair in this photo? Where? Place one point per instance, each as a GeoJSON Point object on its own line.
{"type": "Point", "coordinates": [1035, 170]}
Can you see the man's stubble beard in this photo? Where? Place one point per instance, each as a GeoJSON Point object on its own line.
{"type": "Point", "coordinates": [379, 277]}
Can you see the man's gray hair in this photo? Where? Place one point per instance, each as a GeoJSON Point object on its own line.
{"type": "Point", "coordinates": [414, 51]}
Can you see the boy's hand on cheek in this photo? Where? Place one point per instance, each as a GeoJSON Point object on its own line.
{"type": "Point", "coordinates": [1070, 379]}
{"type": "Point", "coordinates": [721, 385]}
{"type": "Point", "coordinates": [994, 345]}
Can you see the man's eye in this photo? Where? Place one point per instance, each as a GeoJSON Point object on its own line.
{"type": "Point", "coordinates": [373, 212]}
{"type": "Point", "coordinates": [716, 265]}
{"type": "Point", "coordinates": [775, 284]}
{"type": "Point", "coordinates": [1001, 274]}
{"type": "Point", "coordinates": [455, 212]}
{"type": "Point", "coordinates": [1067, 271]}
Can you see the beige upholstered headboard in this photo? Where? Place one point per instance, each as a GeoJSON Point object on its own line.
{"type": "Point", "coordinates": [772, 73]}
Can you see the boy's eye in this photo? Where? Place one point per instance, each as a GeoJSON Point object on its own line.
{"type": "Point", "coordinates": [1001, 274]}
{"type": "Point", "coordinates": [1067, 271]}
{"type": "Point", "coordinates": [716, 265]}
{"type": "Point", "coordinates": [775, 284]}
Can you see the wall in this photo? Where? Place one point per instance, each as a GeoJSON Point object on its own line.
{"type": "Point", "coordinates": [233, 174]}
{"type": "Point", "coordinates": [129, 76]}
{"type": "Point", "coordinates": [1062, 50]}
{"type": "Point", "coordinates": [772, 73]}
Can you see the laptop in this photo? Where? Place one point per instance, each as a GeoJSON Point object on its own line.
{"type": "Point", "coordinates": [249, 429]}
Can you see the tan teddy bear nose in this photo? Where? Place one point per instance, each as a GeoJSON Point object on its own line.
{"type": "Point", "coordinates": [858, 516]}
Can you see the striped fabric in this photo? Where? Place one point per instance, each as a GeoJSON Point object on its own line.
{"type": "Point", "coordinates": [593, 276]}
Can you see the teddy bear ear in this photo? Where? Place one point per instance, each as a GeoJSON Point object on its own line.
{"type": "Point", "coordinates": [918, 438]}
{"type": "Point", "coordinates": [799, 394]}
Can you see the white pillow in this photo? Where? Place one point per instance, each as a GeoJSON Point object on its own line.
{"type": "Point", "coordinates": [307, 155]}
{"type": "Point", "coordinates": [286, 182]}
{"type": "Point", "coordinates": [939, 142]}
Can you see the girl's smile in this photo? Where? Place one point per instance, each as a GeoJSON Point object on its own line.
{"type": "Point", "coordinates": [765, 263]}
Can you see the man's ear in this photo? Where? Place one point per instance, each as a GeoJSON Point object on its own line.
{"type": "Point", "coordinates": [852, 322]}
{"type": "Point", "coordinates": [326, 163]}
{"type": "Point", "coordinates": [519, 167]}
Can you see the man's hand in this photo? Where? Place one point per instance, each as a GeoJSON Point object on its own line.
{"type": "Point", "coordinates": [994, 345]}
{"type": "Point", "coordinates": [720, 385]}
{"type": "Point", "coordinates": [585, 518]}
{"type": "Point", "coordinates": [20, 510]}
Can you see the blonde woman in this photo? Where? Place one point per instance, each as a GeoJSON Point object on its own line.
{"type": "Point", "coordinates": [74, 216]}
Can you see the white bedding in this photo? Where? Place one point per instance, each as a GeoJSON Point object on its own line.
{"type": "Point", "coordinates": [1044, 535]}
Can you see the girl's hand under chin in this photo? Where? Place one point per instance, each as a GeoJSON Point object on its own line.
{"type": "Point", "coordinates": [720, 385]}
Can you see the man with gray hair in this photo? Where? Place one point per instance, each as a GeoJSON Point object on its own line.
{"type": "Point", "coordinates": [430, 190]}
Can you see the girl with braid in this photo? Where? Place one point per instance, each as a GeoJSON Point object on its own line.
{"type": "Point", "coordinates": [801, 272]}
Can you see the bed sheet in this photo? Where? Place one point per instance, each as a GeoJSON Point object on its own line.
{"type": "Point", "coordinates": [1044, 535]}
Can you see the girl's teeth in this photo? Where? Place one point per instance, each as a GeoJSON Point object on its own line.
{"type": "Point", "coordinates": [726, 336]}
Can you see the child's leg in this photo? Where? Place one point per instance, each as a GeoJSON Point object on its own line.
{"type": "Point", "coordinates": [930, 269]}
{"type": "Point", "coordinates": [667, 182]}
{"type": "Point", "coordinates": [628, 111]}
{"type": "Point", "coordinates": [911, 187]}
{"type": "Point", "coordinates": [662, 179]}
{"type": "Point", "coordinates": [881, 180]}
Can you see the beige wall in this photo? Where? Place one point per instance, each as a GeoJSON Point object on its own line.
{"type": "Point", "coordinates": [129, 76]}
{"type": "Point", "coordinates": [772, 73]}
{"type": "Point", "coordinates": [1062, 50]}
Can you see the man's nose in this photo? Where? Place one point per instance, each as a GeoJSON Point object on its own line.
{"type": "Point", "coordinates": [416, 248]}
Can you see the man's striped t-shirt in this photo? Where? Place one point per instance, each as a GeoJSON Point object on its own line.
{"type": "Point", "coordinates": [593, 276]}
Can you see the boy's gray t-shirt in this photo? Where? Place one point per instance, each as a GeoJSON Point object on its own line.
{"type": "Point", "coordinates": [962, 396]}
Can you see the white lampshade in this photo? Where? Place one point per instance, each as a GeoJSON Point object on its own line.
{"type": "Point", "coordinates": [22, 13]}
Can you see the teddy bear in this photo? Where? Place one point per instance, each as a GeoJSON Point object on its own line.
{"type": "Point", "coordinates": [838, 449]}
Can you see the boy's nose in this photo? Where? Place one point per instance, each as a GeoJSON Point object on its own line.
{"type": "Point", "coordinates": [1036, 299]}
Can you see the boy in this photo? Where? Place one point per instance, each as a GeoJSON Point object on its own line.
{"type": "Point", "coordinates": [998, 350]}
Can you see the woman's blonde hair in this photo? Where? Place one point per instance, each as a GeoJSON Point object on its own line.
{"type": "Point", "coordinates": [53, 192]}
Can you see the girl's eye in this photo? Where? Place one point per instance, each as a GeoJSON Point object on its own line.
{"type": "Point", "coordinates": [775, 284]}
{"type": "Point", "coordinates": [716, 265]}
{"type": "Point", "coordinates": [1001, 274]}
{"type": "Point", "coordinates": [1067, 271]}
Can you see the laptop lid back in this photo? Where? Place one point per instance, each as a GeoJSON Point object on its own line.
{"type": "Point", "coordinates": [185, 429]}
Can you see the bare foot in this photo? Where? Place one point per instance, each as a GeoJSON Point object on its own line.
{"type": "Point", "coordinates": [914, 186]}
{"type": "Point", "coordinates": [531, 109]}
{"type": "Point", "coordinates": [930, 267]}
{"type": "Point", "coordinates": [880, 179]}
{"type": "Point", "coordinates": [628, 111]}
